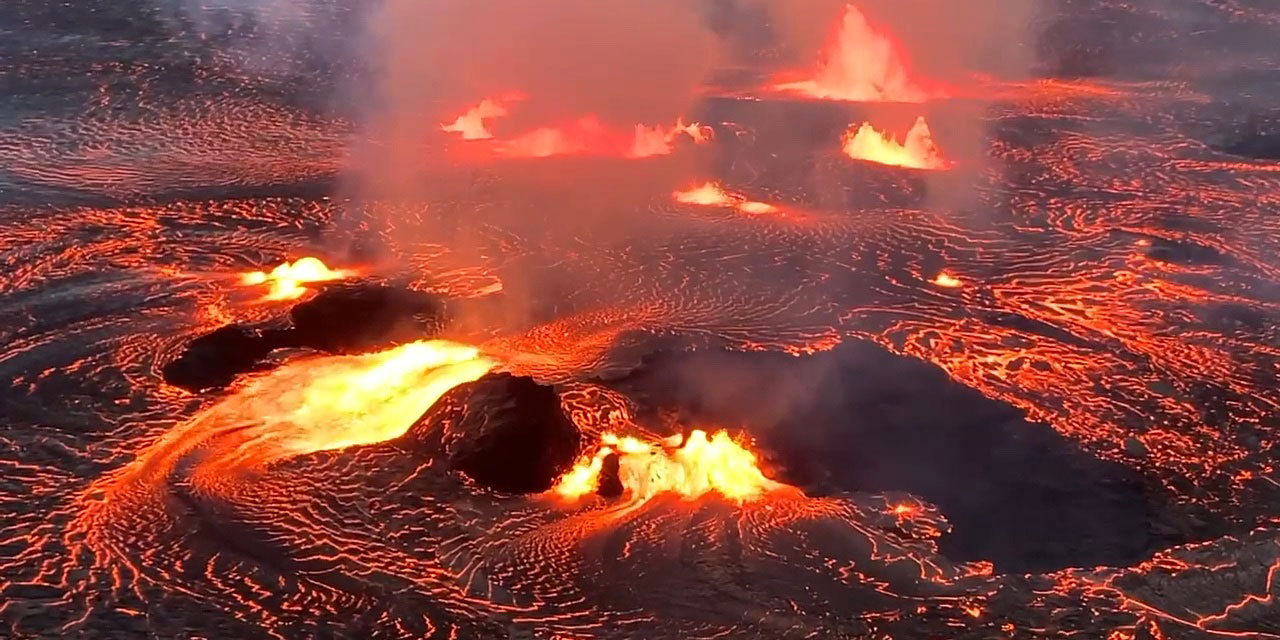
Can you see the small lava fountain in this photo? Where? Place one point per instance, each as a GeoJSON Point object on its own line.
{"type": "Point", "coordinates": [287, 281]}
{"type": "Point", "coordinates": [861, 64]}
{"type": "Point", "coordinates": [917, 151]}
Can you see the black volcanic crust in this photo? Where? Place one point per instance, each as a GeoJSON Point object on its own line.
{"type": "Point", "coordinates": [215, 359]}
{"type": "Point", "coordinates": [860, 418]}
{"type": "Point", "coordinates": [511, 435]}
{"type": "Point", "coordinates": [359, 318]}
{"type": "Point", "coordinates": [340, 319]}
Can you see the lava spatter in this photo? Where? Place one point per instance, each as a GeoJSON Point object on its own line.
{"type": "Point", "coordinates": [862, 63]}
{"type": "Point", "coordinates": [587, 135]}
{"type": "Point", "coordinates": [690, 466]}
{"type": "Point", "coordinates": [472, 124]}
{"type": "Point", "coordinates": [288, 281]}
{"type": "Point", "coordinates": [710, 194]}
{"type": "Point", "coordinates": [916, 151]}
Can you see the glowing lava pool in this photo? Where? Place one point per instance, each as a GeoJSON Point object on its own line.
{"type": "Point", "coordinates": [667, 319]}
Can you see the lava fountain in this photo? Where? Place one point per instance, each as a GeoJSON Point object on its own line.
{"type": "Point", "coordinates": [861, 64]}
{"type": "Point", "coordinates": [917, 151]}
{"type": "Point", "coordinates": [690, 467]}
{"type": "Point", "coordinates": [587, 135]}
{"type": "Point", "coordinates": [945, 279]}
{"type": "Point", "coordinates": [286, 280]}
{"type": "Point", "coordinates": [471, 125]}
{"type": "Point", "coordinates": [710, 194]}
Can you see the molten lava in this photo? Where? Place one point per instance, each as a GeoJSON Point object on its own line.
{"type": "Point", "coordinates": [334, 402]}
{"type": "Point", "coordinates": [918, 151]}
{"type": "Point", "coordinates": [710, 194]}
{"type": "Point", "coordinates": [472, 124]}
{"type": "Point", "coordinates": [287, 279]}
{"type": "Point", "coordinates": [701, 464]}
{"type": "Point", "coordinates": [589, 136]}
{"type": "Point", "coordinates": [947, 280]}
{"type": "Point", "coordinates": [586, 135]}
{"type": "Point", "coordinates": [659, 140]}
{"type": "Point", "coordinates": [862, 64]}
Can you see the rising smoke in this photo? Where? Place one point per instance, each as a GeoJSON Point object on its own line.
{"type": "Point", "coordinates": [626, 62]}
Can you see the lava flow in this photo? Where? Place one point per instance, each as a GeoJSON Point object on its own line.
{"type": "Point", "coordinates": [861, 64]}
{"type": "Point", "coordinates": [288, 279]}
{"type": "Point", "coordinates": [690, 467]}
{"type": "Point", "coordinates": [333, 402]}
{"type": "Point", "coordinates": [917, 151]}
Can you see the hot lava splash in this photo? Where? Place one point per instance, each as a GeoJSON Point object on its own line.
{"type": "Point", "coordinates": [471, 125]}
{"type": "Point", "coordinates": [917, 151]}
{"type": "Point", "coordinates": [287, 281]}
{"type": "Point", "coordinates": [710, 194]}
{"type": "Point", "coordinates": [861, 64]}
{"type": "Point", "coordinates": [689, 466]}
{"type": "Point", "coordinates": [587, 135]}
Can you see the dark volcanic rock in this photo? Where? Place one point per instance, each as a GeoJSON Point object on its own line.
{"type": "Point", "coordinates": [357, 318]}
{"type": "Point", "coordinates": [215, 359]}
{"type": "Point", "coordinates": [1187, 253]}
{"type": "Point", "coordinates": [610, 477]}
{"type": "Point", "coordinates": [1256, 136]}
{"type": "Point", "coordinates": [859, 418]}
{"type": "Point", "coordinates": [348, 319]}
{"type": "Point", "coordinates": [511, 435]}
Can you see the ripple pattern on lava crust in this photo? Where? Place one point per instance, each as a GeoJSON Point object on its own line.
{"type": "Point", "coordinates": [1110, 274]}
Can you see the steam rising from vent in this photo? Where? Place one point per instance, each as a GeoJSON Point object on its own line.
{"type": "Point", "coordinates": [619, 62]}
{"type": "Point", "coordinates": [553, 105]}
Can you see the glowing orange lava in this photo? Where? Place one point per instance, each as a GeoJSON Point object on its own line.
{"type": "Point", "coordinates": [702, 464]}
{"type": "Point", "coordinates": [472, 123]}
{"type": "Point", "coordinates": [862, 64]}
{"type": "Point", "coordinates": [707, 194]}
{"type": "Point", "coordinates": [586, 135]}
{"type": "Point", "coordinates": [589, 136]}
{"type": "Point", "coordinates": [945, 279]}
{"type": "Point", "coordinates": [287, 279]}
{"type": "Point", "coordinates": [710, 194]}
{"type": "Point", "coordinates": [918, 151]}
{"type": "Point", "coordinates": [660, 140]}
{"type": "Point", "coordinates": [332, 402]}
